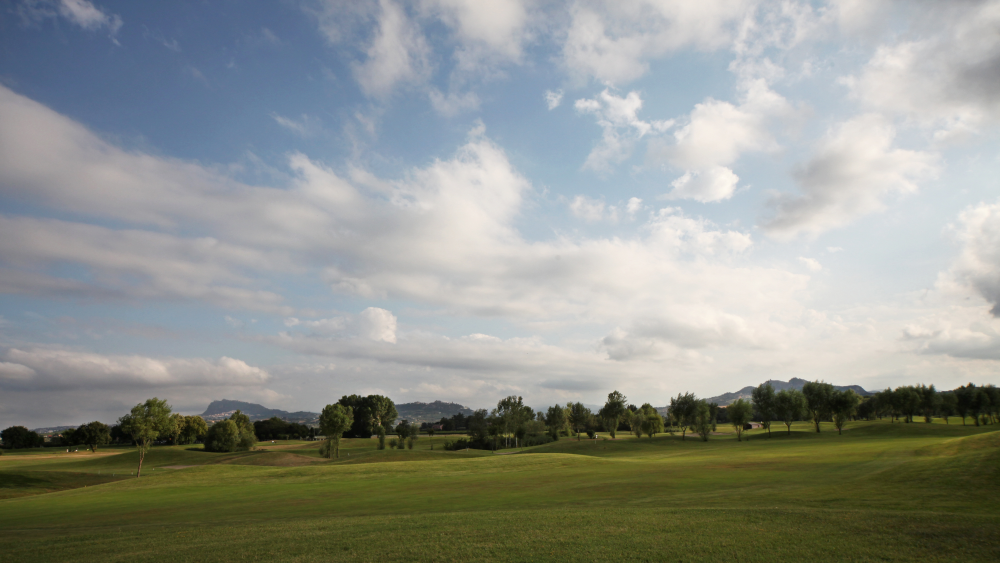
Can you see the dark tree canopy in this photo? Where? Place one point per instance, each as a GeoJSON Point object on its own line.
{"type": "Point", "coordinates": [17, 437]}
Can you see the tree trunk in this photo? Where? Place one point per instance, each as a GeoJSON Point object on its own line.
{"type": "Point", "coordinates": [138, 472]}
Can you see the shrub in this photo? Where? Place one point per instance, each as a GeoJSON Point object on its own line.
{"type": "Point", "coordinates": [393, 443]}
{"type": "Point", "coordinates": [223, 436]}
{"type": "Point", "coordinates": [537, 440]}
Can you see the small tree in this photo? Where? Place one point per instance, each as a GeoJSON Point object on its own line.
{"type": "Point", "coordinates": [703, 420]}
{"type": "Point", "coordinates": [682, 410]}
{"type": "Point", "coordinates": [948, 405]}
{"type": "Point", "coordinates": [612, 412]}
{"type": "Point", "coordinates": [714, 409]}
{"type": "Point", "coordinates": [413, 436]}
{"type": "Point", "coordinates": [17, 437]}
{"type": "Point", "coordinates": [579, 415]}
{"type": "Point", "coordinates": [145, 423]}
{"type": "Point", "coordinates": [789, 404]}
{"type": "Point", "coordinates": [763, 402]}
{"type": "Point", "coordinates": [817, 394]}
{"type": "Point", "coordinates": [555, 420]}
{"type": "Point", "coordinates": [929, 401]}
{"type": "Point", "coordinates": [652, 422]}
{"type": "Point", "coordinates": [177, 423]}
{"type": "Point", "coordinates": [93, 434]}
{"type": "Point", "coordinates": [195, 429]}
{"type": "Point", "coordinates": [739, 415]}
{"type": "Point", "coordinates": [843, 405]}
{"type": "Point", "coordinates": [333, 422]}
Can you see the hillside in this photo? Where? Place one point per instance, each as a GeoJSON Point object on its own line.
{"type": "Point", "coordinates": [430, 412]}
{"type": "Point", "coordinates": [219, 410]}
{"type": "Point", "coordinates": [794, 383]}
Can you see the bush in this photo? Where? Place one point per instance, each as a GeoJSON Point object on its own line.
{"type": "Point", "coordinates": [393, 443]}
{"type": "Point", "coordinates": [537, 440]}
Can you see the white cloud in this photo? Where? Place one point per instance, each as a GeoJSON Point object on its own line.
{"type": "Point", "coordinates": [714, 184]}
{"type": "Point", "coordinates": [377, 324]}
{"type": "Point", "coordinates": [978, 264]}
{"type": "Point", "coordinates": [489, 33]}
{"type": "Point", "coordinates": [553, 99]}
{"type": "Point", "coordinates": [48, 368]}
{"type": "Point", "coordinates": [80, 12]}
{"type": "Point", "coordinates": [614, 42]}
{"type": "Point", "coordinates": [589, 209]}
{"type": "Point", "coordinates": [943, 74]}
{"type": "Point", "coordinates": [305, 125]}
{"type": "Point", "coordinates": [452, 104]}
{"type": "Point", "coordinates": [398, 53]}
{"type": "Point", "coordinates": [811, 263]}
{"type": "Point", "coordinates": [716, 134]}
{"type": "Point", "coordinates": [618, 117]}
{"type": "Point", "coordinates": [852, 170]}
{"type": "Point", "coordinates": [634, 206]}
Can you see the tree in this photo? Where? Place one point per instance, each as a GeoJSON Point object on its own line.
{"type": "Point", "coordinates": [739, 415]}
{"type": "Point", "coordinates": [763, 403]}
{"type": "Point", "coordinates": [703, 420]}
{"type": "Point", "coordinates": [714, 409]}
{"type": "Point", "coordinates": [195, 429]}
{"type": "Point", "coordinates": [949, 405]}
{"type": "Point", "coordinates": [652, 422]}
{"type": "Point", "coordinates": [843, 405]}
{"type": "Point", "coordinates": [634, 420]}
{"type": "Point", "coordinates": [93, 434]}
{"type": "Point", "coordinates": [223, 436]}
{"type": "Point", "coordinates": [17, 437]}
{"type": "Point", "coordinates": [232, 435]}
{"type": "Point", "coordinates": [613, 411]}
{"type": "Point", "coordinates": [980, 403]}
{"type": "Point", "coordinates": [963, 401]}
{"type": "Point", "coordinates": [176, 427]}
{"type": "Point", "coordinates": [478, 425]}
{"type": "Point", "coordinates": [789, 404]}
{"type": "Point", "coordinates": [413, 435]}
{"type": "Point", "coordinates": [333, 422]}
{"type": "Point", "coordinates": [929, 401]}
{"type": "Point", "coordinates": [555, 420]}
{"type": "Point", "coordinates": [817, 396]}
{"type": "Point", "coordinates": [578, 416]}
{"type": "Point", "coordinates": [512, 413]}
{"type": "Point", "coordinates": [381, 412]}
{"type": "Point", "coordinates": [682, 410]}
{"type": "Point", "coordinates": [145, 423]}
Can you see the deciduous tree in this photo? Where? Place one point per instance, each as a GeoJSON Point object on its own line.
{"type": "Point", "coordinates": [818, 395]}
{"type": "Point", "coordinates": [333, 422]}
{"type": "Point", "coordinates": [739, 415]}
{"type": "Point", "coordinates": [763, 402]}
{"type": "Point", "coordinates": [790, 404]}
{"type": "Point", "coordinates": [682, 411]}
{"type": "Point", "coordinates": [555, 420]}
{"type": "Point", "coordinates": [145, 424]}
{"type": "Point", "coordinates": [93, 434]}
{"type": "Point", "coordinates": [578, 417]}
{"type": "Point", "coordinates": [613, 411]}
{"type": "Point", "coordinates": [703, 420]}
{"type": "Point", "coordinates": [842, 405]}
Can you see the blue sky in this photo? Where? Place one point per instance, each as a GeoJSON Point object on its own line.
{"type": "Point", "coordinates": [461, 200]}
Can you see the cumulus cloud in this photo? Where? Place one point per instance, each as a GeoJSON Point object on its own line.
{"type": "Point", "coordinates": [618, 117]}
{"type": "Point", "coordinates": [590, 209]}
{"type": "Point", "coordinates": [488, 33]}
{"type": "Point", "coordinates": [614, 42]}
{"type": "Point", "coordinates": [47, 368]}
{"type": "Point", "coordinates": [978, 264]}
{"type": "Point", "coordinates": [397, 54]}
{"type": "Point", "coordinates": [943, 74]}
{"type": "Point", "coordinates": [854, 168]}
{"type": "Point", "coordinates": [715, 135]}
{"type": "Point", "coordinates": [811, 263]}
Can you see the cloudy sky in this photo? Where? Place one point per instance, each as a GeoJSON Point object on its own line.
{"type": "Point", "coordinates": [465, 199]}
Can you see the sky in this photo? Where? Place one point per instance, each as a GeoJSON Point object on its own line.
{"type": "Point", "coordinates": [459, 200]}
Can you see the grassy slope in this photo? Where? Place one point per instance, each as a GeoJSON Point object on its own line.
{"type": "Point", "coordinates": [879, 492]}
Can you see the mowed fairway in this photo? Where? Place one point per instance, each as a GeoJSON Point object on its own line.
{"type": "Point", "coordinates": [880, 492]}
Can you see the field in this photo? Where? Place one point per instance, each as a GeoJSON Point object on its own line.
{"type": "Point", "coordinates": [879, 492]}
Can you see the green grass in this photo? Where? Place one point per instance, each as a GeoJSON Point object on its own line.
{"type": "Point", "coordinates": [879, 492]}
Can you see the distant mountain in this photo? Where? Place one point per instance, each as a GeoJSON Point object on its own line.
{"type": "Point", "coordinates": [430, 412]}
{"type": "Point", "coordinates": [794, 383]}
{"type": "Point", "coordinates": [413, 412]}
{"type": "Point", "coordinates": [726, 399]}
{"type": "Point", "coordinates": [220, 410]}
